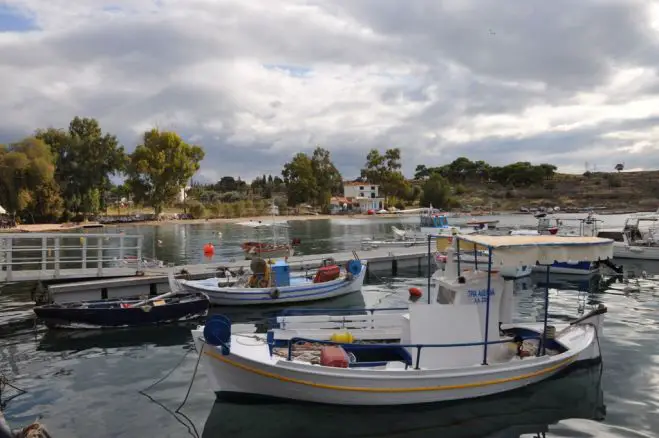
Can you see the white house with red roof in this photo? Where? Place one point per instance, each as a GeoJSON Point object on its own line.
{"type": "Point", "coordinates": [361, 195]}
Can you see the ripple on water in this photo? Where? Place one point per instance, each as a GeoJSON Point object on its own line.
{"type": "Point", "coordinates": [89, 381]}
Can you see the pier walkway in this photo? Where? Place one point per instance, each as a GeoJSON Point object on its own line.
{"type": "Point", "coordinates": [61, 256]}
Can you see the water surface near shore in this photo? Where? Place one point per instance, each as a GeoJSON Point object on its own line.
{"type": "Point", "coordinates": [85, 383]}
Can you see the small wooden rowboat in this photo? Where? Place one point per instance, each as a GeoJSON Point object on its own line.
{"type": "Point", "coordinates": [171, 307]}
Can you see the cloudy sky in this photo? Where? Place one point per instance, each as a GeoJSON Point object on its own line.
{"type": "Point", "coordinates": [255, 81]}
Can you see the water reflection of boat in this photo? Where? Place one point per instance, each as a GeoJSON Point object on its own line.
{"type": "Point", "coordinates": [250, 314]}
{"type": "Point", "coordinates": [575, 394]}
{"type": "Point", "coordinates": [160, 336]}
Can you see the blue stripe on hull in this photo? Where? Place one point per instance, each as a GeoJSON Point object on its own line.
{"type": "Point", "coordinates": [581, 266]}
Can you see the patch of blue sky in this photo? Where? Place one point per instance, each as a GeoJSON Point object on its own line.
{"type": "Point", "coordinates": [15, 20]}
{"type": "Point", "coordinates": [291, 70]}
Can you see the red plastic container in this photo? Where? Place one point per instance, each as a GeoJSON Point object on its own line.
{"type": "Point", "coordinates": [334, 356]}
{"type": "Point", "coordinates": [327, 273]}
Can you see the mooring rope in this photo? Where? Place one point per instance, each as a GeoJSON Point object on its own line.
{"type": "Point", "coordinates": [191, 428]}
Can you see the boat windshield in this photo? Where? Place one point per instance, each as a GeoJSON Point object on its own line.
{"type": "Point", "coordinates": [434, 221]}
{"type": "Point", "coordinates": [445, 295]}
{"type": "Point", "coordinates": [616, 236]}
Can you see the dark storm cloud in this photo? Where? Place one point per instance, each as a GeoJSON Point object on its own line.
{"type": "Point", "coordinates": [562, 43]}
{"type": "Point", "coordinates": [408, 72]}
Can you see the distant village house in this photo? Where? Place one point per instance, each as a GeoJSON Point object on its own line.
{"type": "Point", "coordinates": [358, 196]}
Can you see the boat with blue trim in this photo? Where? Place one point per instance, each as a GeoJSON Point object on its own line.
{"type": "Point", "coordinates": [460, 344]}
{"type": "Point", "coordinates": [269, 284]}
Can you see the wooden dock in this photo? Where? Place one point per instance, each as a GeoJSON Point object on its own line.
{"type": "Point", "coordinates": [154, 281]}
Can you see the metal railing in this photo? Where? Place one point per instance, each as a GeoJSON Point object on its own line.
{"type": "Point", "coordinates": [48, 254]}
{"type": "Point", "coordinates": [418, 347]}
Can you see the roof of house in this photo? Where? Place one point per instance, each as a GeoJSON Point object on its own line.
{"type": "Point", "coordinates": [353, 183]}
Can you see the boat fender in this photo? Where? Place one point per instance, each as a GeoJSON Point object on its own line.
{"type": "Point", "coordinates": [344, 337]}
{"type": "Point", "coordinates": [354, 267]}
{"type": "Point", "coordinates": [217, 332]}
{"type": "Point", "coordinates": [415, 292]}
{"type": "Point", "coordinates": [274, 294]}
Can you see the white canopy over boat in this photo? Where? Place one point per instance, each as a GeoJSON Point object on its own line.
{"type": "Point", "coordinates": [520, 250]}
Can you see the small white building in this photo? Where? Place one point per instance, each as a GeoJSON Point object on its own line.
{"type": "Point", "coordinates": [364, 195]}
{"type": "Point", "coordinates": [183, 194]}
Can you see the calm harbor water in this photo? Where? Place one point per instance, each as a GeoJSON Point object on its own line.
{"type": "Point", "coordinates": [88, 383]}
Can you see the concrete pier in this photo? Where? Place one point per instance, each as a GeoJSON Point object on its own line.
{"type": "Point", "coordinates": [154, 281]}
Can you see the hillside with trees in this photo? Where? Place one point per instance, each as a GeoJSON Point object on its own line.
{"type": "Point", "coordinates": [65, 174]}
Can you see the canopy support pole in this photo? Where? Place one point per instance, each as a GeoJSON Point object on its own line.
{"type": "Point", "coordinates": [487, 303]}
{"type": "Point", "coordinates": [475, 258]}
{"type": "Point", "coordinates": [429, 267]}
{"type": "Point", "coordinates": [544, 329]}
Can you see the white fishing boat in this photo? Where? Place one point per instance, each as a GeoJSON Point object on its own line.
{"type": "Point", "coordinates": [273, 284]}
{"type": "Point", "coordinates": [431, 222]}
{"type": "Point", "coordinates": [565, 227]}
{"type": "Point", "coordinates": [638, 239]}
{"type": "Point", "coordinates": [461, 344]}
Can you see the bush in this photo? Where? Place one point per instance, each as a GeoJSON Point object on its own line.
{"type": "Point", "coordinates": [196, 209]}
{"type": "Point", "coordinates": [215, 210]}
{"type": "Point", "coordinates": [399, 205]}
{"type": "Point", "coordinates": [231, 197]}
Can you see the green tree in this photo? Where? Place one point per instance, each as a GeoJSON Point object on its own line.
{"type": "Point", "coordinates": [27, 180]}
{"type": "Point", "coordinates": [384, 170]}
{"type": "Point", "coordinates": [161, 166]}
{"type": "Point", "coordinates": [300, 180]}
{"type": "Point", "coordinates": [421, 172]}
{"type": "Point", "coordinates": [436, 191]}
{"type": "Point", "coordinates": [328, 179]}
{"type": "Point", "coordinates": [85, 159]}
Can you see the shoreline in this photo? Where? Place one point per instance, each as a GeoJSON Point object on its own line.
{"type": "Point", "coordinates": [53, 228]}
{"type": "Point", "coordinates": [69, 226]}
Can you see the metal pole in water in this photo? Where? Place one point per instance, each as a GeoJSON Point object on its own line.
{"type": "Point", "coordinates": [487, 303]}
{"type": "Point", "coordinates": [428, 292]}
{"type": "Point", "coordinates": [544, 330]}
{"type": "Point", "coordinates": [458, 251]}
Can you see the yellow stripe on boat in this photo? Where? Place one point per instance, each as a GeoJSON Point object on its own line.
{"type": "Point", "coordinates": [366, 389]}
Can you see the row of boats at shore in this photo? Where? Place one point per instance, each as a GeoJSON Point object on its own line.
{"type": "Point", "coordinates": [455, 340]}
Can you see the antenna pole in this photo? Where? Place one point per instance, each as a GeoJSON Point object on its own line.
{"type": "Point", "coordinates": [544, 331]}
{"type": "Point", "coordinates": [487, 303]}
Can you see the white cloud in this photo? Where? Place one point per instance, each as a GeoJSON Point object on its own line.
{"type": "Point", "coordinates": [256, 81]}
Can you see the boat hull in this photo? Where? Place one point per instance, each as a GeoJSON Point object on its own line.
{"type": "Point", "coordinates": [580, 268]}
{"type": "Point", "coordinates": [249, 373]}
{"type": "Point", "coordinates": [62, 316]}
{"type": "Point", "coordinates": [622, 251]}
{"type": "Point", "coordinates": [239, 296]}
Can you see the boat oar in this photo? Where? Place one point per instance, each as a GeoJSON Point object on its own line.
{"type": "Point", "coordinates": [159, 297]}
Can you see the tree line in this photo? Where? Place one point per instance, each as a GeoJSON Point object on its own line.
{"type": "Point", "coordinates": [59, 174]}
{"type": "Point", "coordinates": [62, 174]}
{"type": "Point", "coordinates": [314, 179]}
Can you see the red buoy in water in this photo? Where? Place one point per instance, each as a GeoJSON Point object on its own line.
{"type": "Point", "coordinates": [415, 292]}
{"type": "Point", "coordinates": [209, 249]}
